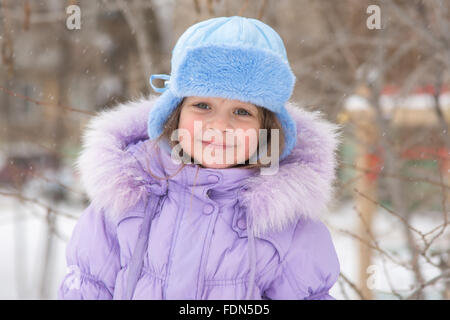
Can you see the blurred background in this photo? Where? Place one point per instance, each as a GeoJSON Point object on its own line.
{"type": "Point", "coordinates": [379, 68]}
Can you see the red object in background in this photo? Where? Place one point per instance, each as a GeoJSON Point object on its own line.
{"type": "Point", "coordinates": [374, 163]}
{"type": "Point", "coordinates": [442, 155]}
{"type": "Point", "coordinates": [374, 160]}
{"type": "Point", "coordinates": [427, 89]}
{"type": "Point", "coordinates": [426, 153]}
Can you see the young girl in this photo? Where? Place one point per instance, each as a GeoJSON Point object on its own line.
{"type": "Point", "coordinates": [180, 205]}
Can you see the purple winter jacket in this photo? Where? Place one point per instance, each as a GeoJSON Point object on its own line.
{"type": "Point", "coordinates": [203, 233]}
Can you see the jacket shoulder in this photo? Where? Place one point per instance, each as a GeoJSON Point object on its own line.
{"type": "Point", "coordinates": [280, 240]}
{"type": "Point", "coordinates": [305, 233]}
{"type": "Point", "coordinates": [309, 267]}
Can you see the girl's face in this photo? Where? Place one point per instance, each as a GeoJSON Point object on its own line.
{"type": "Point", "coordinates": [218, 132]}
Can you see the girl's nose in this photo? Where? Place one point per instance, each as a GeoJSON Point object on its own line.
{"type": "Point", "coordinates": [220, 124]}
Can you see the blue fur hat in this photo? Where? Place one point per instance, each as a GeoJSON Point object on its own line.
{"type": "Point", "coordinates": [233, 58]}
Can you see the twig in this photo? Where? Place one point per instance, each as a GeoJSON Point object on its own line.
{"type": "Point", "coordinates": [22, 197]}
{"type": "Point", "coordinates": [45, 104]}
{"type": "Point", "coordinates": [443, 275]}
{"type": "Point", "coordinates": [353, 286]}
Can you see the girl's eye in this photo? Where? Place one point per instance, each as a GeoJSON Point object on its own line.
{"type": "Point", "coordinates": [245, 112]}
{"type": "Point", "coordinates": [201, 105]}
{"type": "Point", "coordinates": [205, 106]}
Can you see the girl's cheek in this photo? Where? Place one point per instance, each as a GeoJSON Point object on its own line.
{"type": "Point", "coordinates": [251, 140]}
{"type": "Point", "coordinates": [187, 124]}
{"type": "Point", "coordinates": [186, 137]}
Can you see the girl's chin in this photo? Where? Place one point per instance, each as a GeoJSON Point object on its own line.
{"type": "Point", "coordinates": [210, 163]}
{"type": "Point", "coordinates": [216, 166]}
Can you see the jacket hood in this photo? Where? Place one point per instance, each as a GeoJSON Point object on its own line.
{"type": "Point", "coordinates": [302, 187]}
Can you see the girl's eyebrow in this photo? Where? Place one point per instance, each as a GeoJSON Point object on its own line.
{"type": "Point", "coordinates": [201, 99]}
{"type": "Point", "coordinates": [251, 107]}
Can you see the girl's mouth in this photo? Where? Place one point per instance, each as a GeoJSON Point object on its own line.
{"type": "Point", "coordinates": [215, 145]}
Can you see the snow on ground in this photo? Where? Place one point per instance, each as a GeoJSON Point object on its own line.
{"type": "Point", "coordinates": [21, 274]}
{"type": "Point", "coordinates": [388, 231]}
{"type": "Point", "coordinates": [24, 236]}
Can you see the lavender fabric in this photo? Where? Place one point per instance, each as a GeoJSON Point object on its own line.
{"type": "Point", "coordinates": [213, 233]}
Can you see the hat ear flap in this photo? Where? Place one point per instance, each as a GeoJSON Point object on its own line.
{"type": "Point", "coordinates": [290, 131]}
{"type": "Point", "coordinates": [162, 109]}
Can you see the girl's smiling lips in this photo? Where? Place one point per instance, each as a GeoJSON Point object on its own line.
{"type": "Point", "coordinates": [216, 145]}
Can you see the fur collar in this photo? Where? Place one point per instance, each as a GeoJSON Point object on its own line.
{"type": "Point", "coordinates": [302, 187]}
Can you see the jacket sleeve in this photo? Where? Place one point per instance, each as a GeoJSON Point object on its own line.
{"type": "Point", "coordinates": [92, 257]}
{"type": "Point", "coordinates": [309, 268]}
